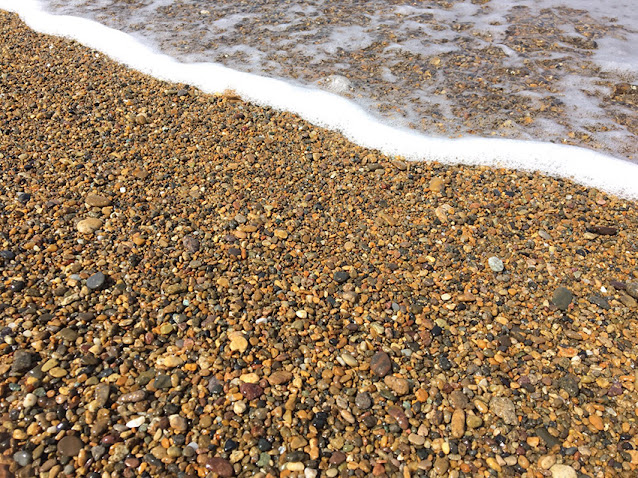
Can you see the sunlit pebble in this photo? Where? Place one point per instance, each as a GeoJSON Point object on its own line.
{"type": "Point", "coordinates": [122, 189]}
{"type": "Point", "coordinates": [603, 289]}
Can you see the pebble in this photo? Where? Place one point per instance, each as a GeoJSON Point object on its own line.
{"type": "Point", "coordinates": [220, 466]}
{"type": "Point", "coordinates": [97, 200]}
{"type": "Point", "coordinates": [496, 264]}
{"type": "Point", "coordinates": [562, 298]}
{"type": "Point", "coordinates": [279, 377]}
{"type": "Point", "coordinates": [504, 408]}
{"type": "Point", "coordinates": [381, 364]}
{"type": "Point", "coordinates": [89, 225]}
{"type": "Point", "coordinates": [398, 385]}
{"type": "Point", "coordinates": [96, 281]}
{"type": "Point", "coordinates": [22, 458]}
{"type": "Point", "coordinates": [563, 471]}
{"type": "Point", "coordinates": [457, 424]}
{"type": "Point", "coordinates": [70, 445]}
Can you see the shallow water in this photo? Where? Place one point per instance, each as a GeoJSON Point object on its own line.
{"type": "Point", "coordinates": [545, 70]}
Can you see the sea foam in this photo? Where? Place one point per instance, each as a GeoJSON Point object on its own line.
{"type": "Point", "coordinates": [335, 112]}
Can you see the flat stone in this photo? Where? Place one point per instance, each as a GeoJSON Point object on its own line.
{"type": "Point", "coordinates": [569, 383]}
{"type": "Point", "coordinates": [458, 400]}
{"type": "Point", "coordinates": [380, 364]}
{"type": "Point", "coordinates": [96, 281]}
{"type": "Point", "coordinates": [97, 200]}
{"type": "Point", "coordinates": [341, 276]}
{"type": "Point", "coordinates": [495, 264]}
{"type": "Point", "coordinates": [457, 424]}
{"type": "Point", "coordinates": [632, 289]}
{"type": "Point", "coordinates": [89, 225]}
{"type": "Point", "coordinates": [22, 361]}
{"type": "Point", "coordinates": [250, 391]}
{"type": "Point", "coordinates": [563, 471]}
{"type": "Point", "coordinates": [238, 342]}
{"type": "Point", "coordinates": [504, 408]}
{"type": "Point", "coordinates": [363, 400]}
{"type": "Point", "coordinates": [550, 440]}
{"type": "Point", "coordinates": [562, 298]}
{"type": "Point", "coordinates": [191, 243]}
{"type": "Point", "coordinates": [220, 466]}
{"type": "Point", "coordinates": [132, 397]}
{"type": "Point", "coordinates": [279, 377]}
{"type": "Point", "coordinates": [102, 393]}
{"type": "Point", "coordinates": [400, 386]}
{"type": "Point", "coordinates": [70, 445]}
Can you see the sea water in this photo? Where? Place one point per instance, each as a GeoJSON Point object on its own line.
{"type": "Point", "coordinates": [459, 81]}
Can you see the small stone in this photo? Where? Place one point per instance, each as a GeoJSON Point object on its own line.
{"type": "Point", "coordinates": [251, 391]}
{"type": "Point", "coordinates": [603, 230]}
{"type": "Point", "coordinates": [220, 466]}
{"type": "Point", "coordinates": [96, 200]}
{"type": "Point", "coordinates": [495, 264]}
{"type": "Point", "coordinates": [504, 408]}
{"type": "Point", "coordinates": [7, 255]}
{"type": "Point", "coordinates": [550, 440]}
{"type": "Point", "coordinates": [30, 400]}
{"type": "Point", "coordinates": [191, 244]}
{"type": "Point", "coordinates": [562, 298]}
{"type": "Point", "coordinates": [349, 359]}
{"type": "Point", "coordinates": [632, 289]}
{"type": "Point", "coordinates": [399, 415]}
{"type": "Point", "coordinates": [174, 289]}
{"type": "Point", "coordinates": [22, 458]}
{"type": "Point", "coordinates": [279, 377]}
{"type": "Point", "coordinates": [96, 281]}
{"type": "Point", "coordinates": [380, 364]}
{"type": "Point", "coordinates": [563, 471]}
{"type": "Point", "coordinates": [136, 422]}
{"type": "Point", "coordinates": [341, 276]}
{"type": "Point", "coordinates": [546, 461]}
{"type": "Point", "coordinates": [473, 421]}
{"type": "Point", "coordinates": [70, 445]}
{"type": "Point", "coordinates": [458, 400]}
{"type": "Point", "coordinates": [596, 422]}
{"type": "Point", "coordinates": [22, 361]}
{"type": "Point", "coordinates": [363, 400]}
{"type": "Point", "coordinates": [337, 458]}
{"type": "Point", "coordinates": [437, 185]}
{"type": "Point", "coordinates": [178, 423]}
{"type": "Point", "coordinates": [238, 342]}
{"type": "Point", "coordinates": [457, 424]}
{"type": "Point", "coordinates": [441, 465]}
{"type": "Point", "coordinates": [132, 397]}
{"type": "Point", "coordinates": [89, 225]}
{"type": "Point", "coordinates": [400, 386]}
{"type": "Point", "coordinates": [569, 383]}
{"type": "Point", "coordinates": [599, 301]}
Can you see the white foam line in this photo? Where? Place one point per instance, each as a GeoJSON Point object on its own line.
{"type": "Point", "coordinates": [325, 109]}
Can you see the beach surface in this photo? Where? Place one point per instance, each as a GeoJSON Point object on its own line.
{"type": "Point", "coordinates": [196, 286]}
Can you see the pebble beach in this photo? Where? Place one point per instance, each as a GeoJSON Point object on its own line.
{"type": "Point", "coordinates": [195, 286]}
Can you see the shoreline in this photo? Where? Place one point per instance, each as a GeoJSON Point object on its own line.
{"type": "Point", "coordinates": [585, 166]}
{"type": "Point", "coordinates": [192, 284]}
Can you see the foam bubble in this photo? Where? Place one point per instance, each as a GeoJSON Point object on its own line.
{"type": "Point", "coordinates": [326, 109]}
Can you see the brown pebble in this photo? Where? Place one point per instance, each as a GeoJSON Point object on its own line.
{"type": "Point", "coordinates": [70, 445]}
{"type": "Point", "coordinates": [381, 364]}
{"type": "Point", "coordinates": [220, 466]}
